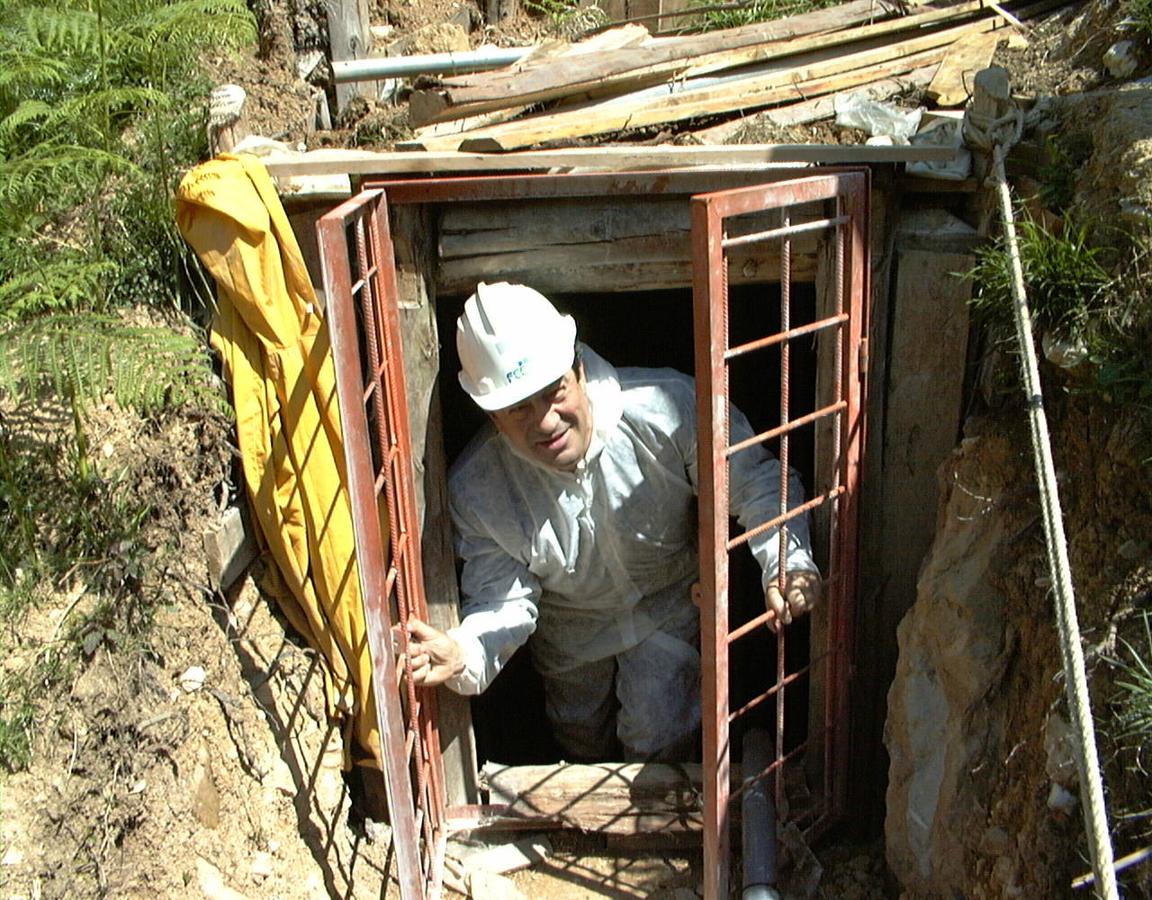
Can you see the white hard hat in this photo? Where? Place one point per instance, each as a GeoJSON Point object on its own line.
{"type": "Point", "coordinates": [512, 343]}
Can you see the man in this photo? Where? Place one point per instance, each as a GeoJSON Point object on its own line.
{"type": "Point", "coordinates": [575, 522]}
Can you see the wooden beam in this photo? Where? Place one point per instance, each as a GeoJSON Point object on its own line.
{"type": "Point", "coordinates": [411, 236]}
{"type": "Point", "coordinates": [914, 416]}
{"type": "Point", "coordinates": [819, 73]}
{"type": "Point", "coordinates": [612, 798]}
{"type": "Point", "coordinates": [618, 244]}
{"type": "Point", "coordinates": [953, 80]}
{"type": "Point", "coordinates": [470, 229]}
{"type": "Point", "coordinates": [726, 95]}
{"type": "Point", "coordinates": [615, 158]}
{"type": "Point", "coordinates": [445, 135]}
{"type": "Point", "coordinates": [499, 11]}
{"type": "Point", "coordinates": [606, 73]}
{"type": "Point", "coordinates": [348, 38]}
{"type": "Point", "coordinates": [531, 82]}
{"type": "Point", "coordinates": [635, 264]}
{"type": "Point", "coordinates": [808, 111]}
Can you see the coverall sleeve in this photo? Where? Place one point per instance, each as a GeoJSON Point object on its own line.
{"type": "Point", "coordinates": [498, 609]}
{"type": "Point", "coordinates": [754, 492]}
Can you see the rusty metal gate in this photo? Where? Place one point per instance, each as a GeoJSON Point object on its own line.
{"type": "Point", "coordinates": [363, 317]}
{"type": "Point", "coordinates": [841, 215]}
{"type": "Point", "coordinates": [359, 272]}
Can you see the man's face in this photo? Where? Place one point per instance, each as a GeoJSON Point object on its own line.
{"type": "Point", "coordinates": [553, 426]}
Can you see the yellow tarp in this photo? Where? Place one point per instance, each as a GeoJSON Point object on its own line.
{"type": "Point", "coordinates": [275, 347]}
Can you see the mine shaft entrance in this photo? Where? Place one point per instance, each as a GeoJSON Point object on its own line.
{"type": "Point", "coordinates": [760, 290]}
{"type": "Point", "coordinates": [654, 329]}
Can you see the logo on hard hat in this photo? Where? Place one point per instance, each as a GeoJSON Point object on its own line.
{"type": "Point", "coordinates": [518, 371]}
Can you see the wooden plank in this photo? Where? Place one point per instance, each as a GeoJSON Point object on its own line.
{"type": "Point", "coordinates": [348, 38]}
{"type": "Point", "coordinates": [922, 415]}
{"type": "Point", "coordinates": [530, 82]}
{"type": "Point", "coordinates": [673, 22]}
{"type": "Point", "coordinates": [765, 86]}
{"type": "Point", "coordinates": [615, 277]}
{"type": "Point", "coordinates": [724, 95]}
{"type": "Point", "coordinates": [953, 81]}
{"type": "Point", "coordinates": [808, 111]}
{"type": "Point", "coordinates": [663, 260]}
{"type": "Point", "coordinates": [864, 36]}
{"type": "Point", "coordinates": [614, 798]}
{"type": "Point", "coordinates": [615, 158]}
{"type": "Point", "coordinates": [479, 229]}
{"type": "Point", "coordinates": [445, 135]}
{"type": "Point", "coordinates": [411, 235]}
{"type": "Point", "coordinates": [499, 11]}
{"type": "Point", "coordinates": [596, 82]}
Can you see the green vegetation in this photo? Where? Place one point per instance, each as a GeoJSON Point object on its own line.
{"type": "Point", "coordinates": [145, 368]}
{"type": "Point", "coordinates": [1079, 292]}
{"type": "Point", "coordinates": [1133, 722]}
{"type": "Point", "coordinates": [20, 691]}
{"type": "Point", "coordinates": [1064, 277]}
{"type": "Point", "coordinates": [1139, 12]}
{"type": "Point", "coordinates": [67, 524]}
{"type": "Point", "coordinates": [569, 17]}
{"type": "Point", "coordinates": [1066, 154]}
{"type": "Point", "coordinates": [732, 15]}
{"type": "Point", "coordinates": [101, 110]}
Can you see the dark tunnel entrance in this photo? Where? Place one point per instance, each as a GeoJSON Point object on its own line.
{"type": "Point", "coordinates": [655, 329]}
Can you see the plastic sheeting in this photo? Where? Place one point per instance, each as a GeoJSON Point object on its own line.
{"type": "Point", "coordinates": [274, 344]}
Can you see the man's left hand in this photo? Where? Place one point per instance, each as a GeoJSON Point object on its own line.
{"type": "Point", "coordinates": [801, 594]}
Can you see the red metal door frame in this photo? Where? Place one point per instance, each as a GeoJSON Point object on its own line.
{"type": "Point", "coordinates": [363, 316]}
{"type": "Point", "coordinates": [847, 194]}
{"type": "Point", "coordinates": [360, 280]}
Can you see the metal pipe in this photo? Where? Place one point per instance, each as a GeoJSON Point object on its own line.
{"type": "Point", "coordinates": [378, 67]}
{"type": "Point", "coordinates": [758, 818]}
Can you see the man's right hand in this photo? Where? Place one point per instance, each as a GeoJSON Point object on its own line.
{"type": "Point", "coordinates": [435, 656]}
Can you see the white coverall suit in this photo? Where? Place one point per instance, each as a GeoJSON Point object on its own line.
{"type": "Point", "coordinates": [597, 565]}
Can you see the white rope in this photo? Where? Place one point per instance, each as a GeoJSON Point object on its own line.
{"type": "Point", "coordinates": [1075, 679]}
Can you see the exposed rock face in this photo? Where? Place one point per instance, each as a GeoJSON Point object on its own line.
{"type": "Point", "coordinates": [953, 653]}
{"type": "Point", "coordinates": [982, 798]}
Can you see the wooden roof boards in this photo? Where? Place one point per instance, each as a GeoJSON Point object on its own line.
{"type": "Point", "coordinates": [579, 91]}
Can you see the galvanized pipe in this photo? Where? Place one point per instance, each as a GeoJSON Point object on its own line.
{"type": "Point", "coordinates": [379, 67]}
{"type": "Point", "coordinates": [758, 818]}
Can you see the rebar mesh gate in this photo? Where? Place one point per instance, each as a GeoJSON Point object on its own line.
{"type": "Point", "coordinates": [363, 316]}
{"type": "Point", "coordinates": [840, 331]}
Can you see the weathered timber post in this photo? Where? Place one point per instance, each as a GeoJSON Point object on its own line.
{"type": "Point", "coordinates": [348, 38]}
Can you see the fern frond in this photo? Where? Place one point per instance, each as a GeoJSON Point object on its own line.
{"type": "Point", "coordinates": [61, 30]}
{"type": "Point", "coordinates": [26, 113]}
{"type": "Point", "coordinates": [77, 118]}
{"type": "Point", "coordinates": [88, 107]}
{"type": "Point", "coordinates": [89, 356]}
{"type": "Point", "coordinates": [69, 281]}
{"type": "Point", "coordinates": [29, 179]}
{"type": "Point", "coordinates": [21, 69]}
{"type": "Point", "coordinates": [184, 22]}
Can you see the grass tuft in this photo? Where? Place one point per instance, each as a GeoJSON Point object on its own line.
{"type": "Point", "coordinates": [1064, 277]}
{"type": "Point", "coordinates": [717, 15]}
{"type": "Point", "coordinates": [1133, 703]}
